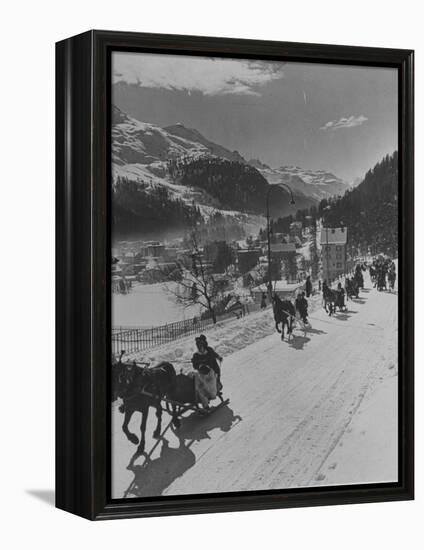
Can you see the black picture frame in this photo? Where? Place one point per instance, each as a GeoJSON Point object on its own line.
{"type": "Point", "coordinates": [83, 267]}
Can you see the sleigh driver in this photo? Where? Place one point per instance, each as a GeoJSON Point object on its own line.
{"type": "Point", "coordinates": [301, 307]}
{"type": "Point", "coordinates": [208, 380]}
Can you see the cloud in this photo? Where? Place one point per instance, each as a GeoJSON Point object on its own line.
{"type": "Point", "coordinates": [344, 122]}
{"type": "Point", "coordinates": [210, 76]}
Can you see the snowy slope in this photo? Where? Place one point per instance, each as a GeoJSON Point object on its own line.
{"type": "Point", "coordinates": [141, 151]}
{"type": "Point", "coordinates": [316, 184]}
{"type": "Point", "coordinates": [135, 142]}
{"type": "Point", "coordinates": [193, 135]}
{"type": "Point", "coordinates": [293, 409]}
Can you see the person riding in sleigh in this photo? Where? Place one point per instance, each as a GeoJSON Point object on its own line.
{"type": "Point", "coordinates": [206, 355]}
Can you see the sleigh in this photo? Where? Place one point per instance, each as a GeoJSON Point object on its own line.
{"type": "Point", "coordinates": [141, 387]}
{"type": "Point", "coordinates": [177, 408]}
{"type": "Point", "coordinates": [181, 408]}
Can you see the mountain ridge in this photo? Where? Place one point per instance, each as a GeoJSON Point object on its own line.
{"type": "Point", "coordinates": [192, 134]}
{"type": "Point", "coordinates": [370, 210]}
{"type": "Point", "coordinates": [143, 152]}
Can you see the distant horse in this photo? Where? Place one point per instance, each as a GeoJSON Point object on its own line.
{"type": "Point", "coordinates": [141, 388]}
{"type": "Point", "coordinates": [359, 278]}
{"type": "Point", "coordinates": [332, 299]}
{"type": "Point", "coordinates": [236, 308]}
{"type": "Point", "coordinates": [284, 313]}
{"type": "Point", "coordinates": [352, 288]}
{"type": "Point", "coordinates": [392, 279]}
{"type": "Point", "coordinates": [373, 274]}
{"type": "Point", "coordinates": [381, 280]}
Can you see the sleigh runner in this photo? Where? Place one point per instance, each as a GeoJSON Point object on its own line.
{"type": "Point", "coordinates": [182, 408]}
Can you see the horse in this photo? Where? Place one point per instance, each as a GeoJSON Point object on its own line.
{"type": "Point", "coordinates": [332, 300]}
{"type": "Point", "coordinates": [392, 279]}
{"type": "Point", "coordinates": [359, 278]}
{"type": "Point", "coordinates": [141, 388]}
{"type": "Point", "coordinates": [352, 288]}
{"type": "Point", "coordinates": [340, 302]}
{"type": "Point", "coordinates": [329, 298]}
{"type": "Point", "coordinates": [237, 308]}
{"type": "Point", "coordinates": [381, 280]}
{"type": "Point", "coordinates": [284, 313]}
{"type": "Point", "coordinates": [373, 274]}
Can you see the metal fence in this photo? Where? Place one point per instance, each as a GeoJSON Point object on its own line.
{"type": "Point", "coordinates": [132, 339]}
{"type": "Point", "coordinates": [139, 339]}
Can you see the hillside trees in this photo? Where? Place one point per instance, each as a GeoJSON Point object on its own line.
{"type": "Point", "coordinates": [234, 184]}
{"type": "Point", "coordinates": [370, 210]}
{"type": "Point", "coordinates": [140, 207]}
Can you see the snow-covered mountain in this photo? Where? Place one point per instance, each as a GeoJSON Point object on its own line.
{"type": "Point", "coordinates": [144, 153]}
{"type": "Point", "coordinates": [256, 163]}
{"type": "Point", "coordinates": [315, 184]}
{"type": "Point", "coordinates": [135, 142]}
{"type": "Point", "coordinates": [195, 136]}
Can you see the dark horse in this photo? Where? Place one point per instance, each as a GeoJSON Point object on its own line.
{"type": "Point", "coordinates": [352, 288]}
{"type": "Point", "coordinates": [141, 388]}
{"type": "Point", "coordinates": [284, 313]}
{"type": "Point", "coordinates": [391, 276]}
{"type": "Point", "coordinates": [359, 278]}
{"type": "Point", "coordinates": [332, 299]}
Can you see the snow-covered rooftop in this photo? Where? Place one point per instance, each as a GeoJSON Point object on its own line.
{"type": "Point", "coordinates": [333, 235]}
{"type": "Point", "coordinates": [283, 247]}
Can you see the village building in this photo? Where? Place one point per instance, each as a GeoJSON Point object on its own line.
{"type": "Point", "coordinates": [283, 256]}
{"type": "Point", "coordinates": [333, 243]}
{"type": "Point", "coordinates": [284, 290]}
{"type": "Point", "coordinates": [296, 229]}
{"type": "Point", "coordinates": [170, 253]}
{"type": "Point", "coordinates": [283, 251]}
{"type": "Point", "coordinates": [155, 249]}
{"type": "Point", "coordinates": [247, 259]}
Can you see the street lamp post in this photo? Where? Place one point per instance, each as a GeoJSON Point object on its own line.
{"type": "Point", "coordinates": [268, 226]}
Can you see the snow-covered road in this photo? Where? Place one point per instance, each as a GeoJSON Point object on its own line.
{"type": "Point", "coordinates": [319, 410]}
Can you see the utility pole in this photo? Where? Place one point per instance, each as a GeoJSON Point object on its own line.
{"type": "Point", "coordinates": [268, 225]}
{"type": "Point", "coordinates": [326, 256]}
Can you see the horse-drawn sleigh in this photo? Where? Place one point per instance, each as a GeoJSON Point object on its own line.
{"type": "Point", "coordinates": [141, 386]}
{"type": "Point", "coordinates": [288, 315]}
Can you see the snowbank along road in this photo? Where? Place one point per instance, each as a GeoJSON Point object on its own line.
{"type": "Point", "coordinates": [319, 410]}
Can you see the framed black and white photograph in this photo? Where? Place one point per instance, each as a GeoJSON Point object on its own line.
{"type": "Point", "coordinates": [234, 274]}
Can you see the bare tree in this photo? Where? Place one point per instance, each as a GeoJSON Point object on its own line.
{"type": "Point", "coordinates": [194, 282]}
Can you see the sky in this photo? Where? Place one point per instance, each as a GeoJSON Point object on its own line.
{"type": "Point", "coordinates": [331, 117]}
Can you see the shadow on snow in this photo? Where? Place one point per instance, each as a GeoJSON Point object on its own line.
{"type": "Point", "coordinates": [154, 476]}
{"type": "Point", "coordinates": [344, 315]}
{"type": "Point", "coordinates": [299, 342]}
